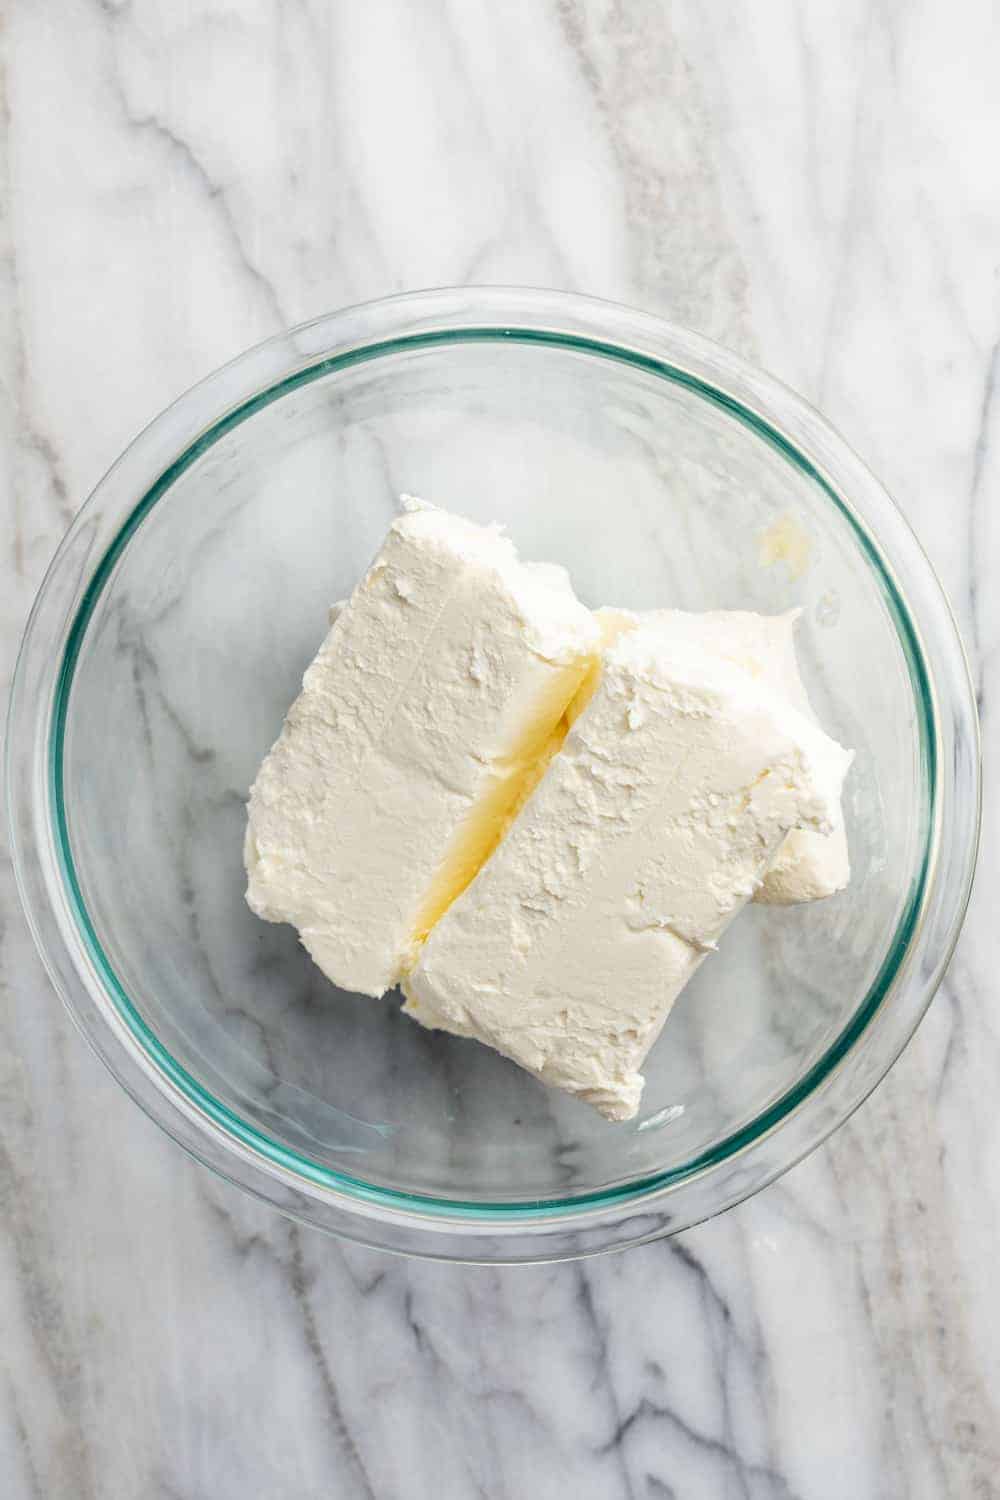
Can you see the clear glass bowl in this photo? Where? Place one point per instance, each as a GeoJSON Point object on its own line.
{"type": "Point", "coordinates": [171, 634]}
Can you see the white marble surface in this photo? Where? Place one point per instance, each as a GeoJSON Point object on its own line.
{"type": "Point", "coordinates": [814, 184]}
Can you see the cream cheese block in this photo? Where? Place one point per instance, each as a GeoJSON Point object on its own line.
{"type": "Point", "coordinates": [430, 710]}
{"type": "Point", "coordinates": [653, 825]}
{"type": "Point", "coordinates": [808, 866]}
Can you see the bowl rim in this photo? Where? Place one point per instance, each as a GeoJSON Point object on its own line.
{"type": "Point", "coordinates": [300, 356]}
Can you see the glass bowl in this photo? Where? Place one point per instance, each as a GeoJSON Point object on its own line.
{"type": "Point", "coordinates": [170, 636]}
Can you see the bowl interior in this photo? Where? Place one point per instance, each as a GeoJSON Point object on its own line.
{"type": "Point", "coordinates": [190, 647]}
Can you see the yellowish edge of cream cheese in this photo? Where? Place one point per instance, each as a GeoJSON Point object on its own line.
{"type": "Point", "coordinates": [487, 825]}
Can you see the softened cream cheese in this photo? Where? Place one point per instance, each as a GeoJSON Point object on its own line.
{"type": "Point", "coordinates": [436, 697]}
{"type": "Point", "coordinates": [537, 819]}
{"type": "Point", "coordinates": [809, 866]}
{"type": "Point", "coordinates": [654, 824]}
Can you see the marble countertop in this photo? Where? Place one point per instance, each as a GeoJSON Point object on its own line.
{"type": "Point", "coordinates": [812, 184]}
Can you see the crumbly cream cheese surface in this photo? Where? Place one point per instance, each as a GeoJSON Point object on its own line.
{"type": "Point", "coordinates": [809, 866]}
{"type": "Point", "coordinates": [653, 825]}
{"type": "Point", "coordinates": [429, 711]}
